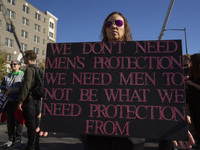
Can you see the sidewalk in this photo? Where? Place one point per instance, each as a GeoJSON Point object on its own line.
{"type": "Point", "coordinates": [60, 141]}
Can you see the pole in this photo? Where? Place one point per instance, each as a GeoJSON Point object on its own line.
{"type": "Point", "coordinates": [166, 20]}
{"type": "Point", "coordinates": [185, 41]}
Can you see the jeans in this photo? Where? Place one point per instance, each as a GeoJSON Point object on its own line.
{"type": "Point", "coordinates": [31, 110]}
{"type": "Point", "coordinates": [15, 129]}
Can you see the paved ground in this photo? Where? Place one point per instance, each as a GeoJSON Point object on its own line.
{"type": "Point", "coordinates": [60, 141]}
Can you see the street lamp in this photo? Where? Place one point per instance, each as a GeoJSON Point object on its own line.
{"type": "Point", "coordinates": [185, 36]}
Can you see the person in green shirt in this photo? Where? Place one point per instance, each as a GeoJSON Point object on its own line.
{"type": "Point", "coordinates": [11, 85]}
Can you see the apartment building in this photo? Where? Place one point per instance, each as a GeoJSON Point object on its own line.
{"type": "Point", "coordinates": [24, 27]}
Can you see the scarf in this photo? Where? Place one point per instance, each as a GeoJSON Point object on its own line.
{"type": "Point", "coordinates": [16, 73]}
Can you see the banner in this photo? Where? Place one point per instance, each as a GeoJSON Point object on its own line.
{"type": "Point", "coordinates": [127, 89]}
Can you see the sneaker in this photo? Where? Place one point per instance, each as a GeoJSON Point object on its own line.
{"type": "Point", "coordinates": [7, 144]}
{"type": "Point", "coordinates": [18, 143]}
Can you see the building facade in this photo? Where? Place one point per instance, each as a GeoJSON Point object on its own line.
{"type": "Point", "coordinates": [24, 27]}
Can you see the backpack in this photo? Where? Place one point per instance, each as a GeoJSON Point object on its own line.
{"type": "Point", "coordinates": [38, 86]}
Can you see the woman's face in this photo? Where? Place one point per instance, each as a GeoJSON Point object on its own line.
{"type": "Point", "coordinates": [14, 66]}
{"type": "Point", "coordinates": [114, 32]}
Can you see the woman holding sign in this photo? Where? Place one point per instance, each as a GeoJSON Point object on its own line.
{"type": "Point", "coordinates": [115, 28]}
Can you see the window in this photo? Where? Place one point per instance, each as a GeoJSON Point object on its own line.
{"type": "Point", "coordinates": [25, 21]}
{"type": "Point", "coordinates": [1, 8]}
{"type": "Point", "coordinates": [10, 14]}
{"type": "Point", "coordinates": [43, 41]}
{"type": "Point", "coordinates": [9, 28]}
{"type": "Point", "coordinates": [23, 47]}
{"type": "Point", "coordinates": [11, 2]}
{"type": "Point", "coordinates": [26, 9]}
{"type": "Point", "coordinates": [43, 52]}
{"type": "Point", "coordinates": [24, 34]}
{"type": "Point", "coordinates": [51, 25]}
{"type": "Point", "coordinates": [0, 23]}
{"type": "Point", "coordinates": [9, 42]}
{"type": "Point", "coordinates": [44, 31]}
{"type": "Point", "coordinates": [37, 16]}
{"type": "Point", "coordinates": [9, 57]}
{"type": "Point", "coordinates": [37, 27]}
{"type": "Point", "coordinates": [36, 39]}
{"type": "Point", "coordinates": [51, 34]}
{"type": "Point", "coordinates": [44, 20]}
{"type": "Point", "coordinates": [36, 50]}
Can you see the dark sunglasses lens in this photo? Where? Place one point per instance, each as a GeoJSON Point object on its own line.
{"type": "Point", "coordinates": [13, 64]}
{"type": "Point", "coordinates": [108, 24]}
{"type": "Point", "coordinates": [119, 23]}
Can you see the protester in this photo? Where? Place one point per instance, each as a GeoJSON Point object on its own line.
{"type": "Point", "coordinates": [186, 67]}
{"type": "Point", "coordinates": [115, 28]}
{"type": "Point", "coordinates": [11, 85]}
{"type": "Point", "coordinates": [31, 106]}
{"type": "Point", "coordinates": [193, 86]}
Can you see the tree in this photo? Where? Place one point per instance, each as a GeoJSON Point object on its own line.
{"type": "Point", "coordinates": [41, 64]}
{"type": "Point", "coordinates": [3, 62]}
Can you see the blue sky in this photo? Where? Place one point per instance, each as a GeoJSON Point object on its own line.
{"type": "Point", "coordinates": [81, 20]}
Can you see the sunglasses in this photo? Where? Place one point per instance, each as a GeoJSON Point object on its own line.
{"type": "Point", "coordinates": [13, 64]}
{"type": "Point", "coordinates": [118, 23]}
